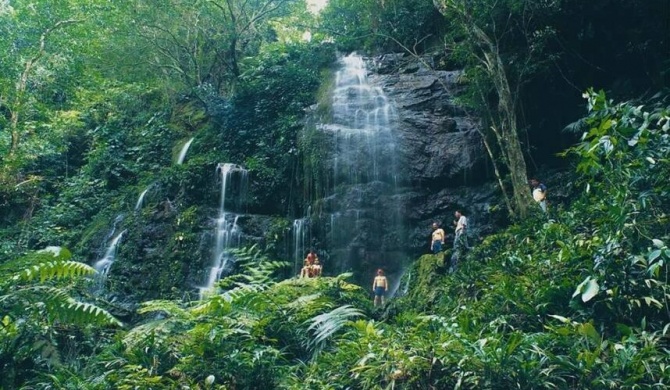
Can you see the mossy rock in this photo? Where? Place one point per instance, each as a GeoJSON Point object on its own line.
{"type": "Point", "coordinates": [426, 274]}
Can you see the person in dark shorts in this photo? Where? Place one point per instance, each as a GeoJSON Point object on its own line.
{"type": "Point", "coordinates": [380, 286]}
{"type": "Point", "coordinates": [437, 238]}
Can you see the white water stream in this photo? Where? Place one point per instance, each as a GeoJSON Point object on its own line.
{"type": "Point", "coordinates": [228, 234]}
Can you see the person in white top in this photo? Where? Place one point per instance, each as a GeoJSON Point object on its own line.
{"type": "Point", "coordinates": [539, 192]}
{"type": "Point", "coordinates": [461, 223]}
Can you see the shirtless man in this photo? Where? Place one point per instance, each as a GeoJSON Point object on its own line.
{"type": "Point", "coordinates": [437, 238]}
{"type": "Point", "coordinates": [380, 286]}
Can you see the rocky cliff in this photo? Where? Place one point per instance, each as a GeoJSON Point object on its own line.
{"type": "Point", "coordinates": [439, 166]}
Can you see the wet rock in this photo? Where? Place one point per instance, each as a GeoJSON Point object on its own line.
{"type": "Point", "coordinates": [438, 138]}
{"type": "Point", "coordinates": [444, 161]}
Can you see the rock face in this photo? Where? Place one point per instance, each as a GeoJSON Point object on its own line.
{"type": "Point", "coordinates": [439, 167]}
{"type": "Point", "coordinates": [438, 139]}
{"type": "Point", "coordinates": [428, 162]}
{"type": "Point", "coordinates": [443, 156]}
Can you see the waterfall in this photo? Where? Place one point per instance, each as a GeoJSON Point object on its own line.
{"type": "Point", "coordinates": [116, 222]}
{"type": "Point", "coordinates": [103, 265]}
{"type": "Point", "coordinates": [184, 149]}
{"type": "Point", "coordinates": [361, 223]}
{"type": "Point", "coordinates": [140, 200]}
{"type": "Point", "coordinates": [299, 233]}
{"type": "Point", "coordinates": [228, 234]}
{"type": "Point", "coordinates": [406, 288]}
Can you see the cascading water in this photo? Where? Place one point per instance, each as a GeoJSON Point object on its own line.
{"type": "Point", "coordinates": [299, 233]}
{"type": "Point", "coordinates": [361, 223]}
{"type": "Point", "coordinates": [405, 289]}
{"type": "Point", "coordinates": [184, 149]}
{"type": "Point", "coordinates": [140, 200]}
{"type": "Point", "coordinates": [103, 265]}
{"type": "Point", "coordinates": [228, 234]}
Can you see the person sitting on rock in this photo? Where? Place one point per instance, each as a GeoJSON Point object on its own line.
{"type": "Point", "coordinates": [316, 268]}
{"type": "Point", "coordinates": [307, 265]}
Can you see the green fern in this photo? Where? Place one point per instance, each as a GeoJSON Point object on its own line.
{"type": "Point", "coordinates": [255, 268]}
{"type": "Point", "coordinates": [325, 325]}
{"type": "Point", "coordinates": [21, 284]}
{"type": "Point", "coordinates": [54, 270]}
{"type": "Point", "coordinates": [170, 308]}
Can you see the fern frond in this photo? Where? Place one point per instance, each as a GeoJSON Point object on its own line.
{"type": "Point", "coordinates": [327, 324]}
{"type": "Point", "coordinates": [14, 266]}
{"type": "Point", "coordinates": [54, 270]}
{"type": "Point", "coordinates": [87, 313]}
{"type": "Point", "coordinates": [242, 290]}
{"type": "Point", "coordinates": [154, 332]}
{"type": "Point", "coordinates": [170, 308]}
{"type": "Point", "coordinates": [255, 267]}
{"type": "Point", "coordinates": [61, 306]}
{"type": "Point", "coordinates": [214, 305]}
{"type": "Point", "coordinates": [303, 301]}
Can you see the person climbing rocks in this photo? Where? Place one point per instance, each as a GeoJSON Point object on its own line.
{"type": "Point", "coordinates": [379, 286]}
{"type": "Point", "coordinates": [437, 238]}
{"type": "Point", "coordinates": [539, 192]}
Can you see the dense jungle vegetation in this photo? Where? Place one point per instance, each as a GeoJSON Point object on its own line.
{"type": "Point", "coordinates": [97, 98]}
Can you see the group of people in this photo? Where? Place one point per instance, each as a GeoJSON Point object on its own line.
{"type": "Point", "coordinates": [438, 237]}
{"type": "Point", "coordinates": [460, 238]}
{"type": "Point", "coordinates": [311, 266]}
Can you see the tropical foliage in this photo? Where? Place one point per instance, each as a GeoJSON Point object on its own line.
{"type": "Point", "coordinates": [98, 98]}
{"type": "Point", "coordinates": [37, 308]}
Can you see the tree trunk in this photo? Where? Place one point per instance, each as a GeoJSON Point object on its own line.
{"type": "Point", "coordinates": [508, 137]}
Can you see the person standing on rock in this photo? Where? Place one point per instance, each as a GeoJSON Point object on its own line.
{"type": "Point", "coordinates": [437, 238]}
{"type": "Point", "coordinates": [539, 191]}
{"type": "Point", "coordinates": [380, 286]}
{"type": "Point", "coordinates": [460, 239]}
{"type": "Point", "coordinates": [461, 223]}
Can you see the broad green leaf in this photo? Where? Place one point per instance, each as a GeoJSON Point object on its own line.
{"type": "Point", "coordinates": [657, 243]}
{"type": "Point", "coordinates": [590, 291]}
